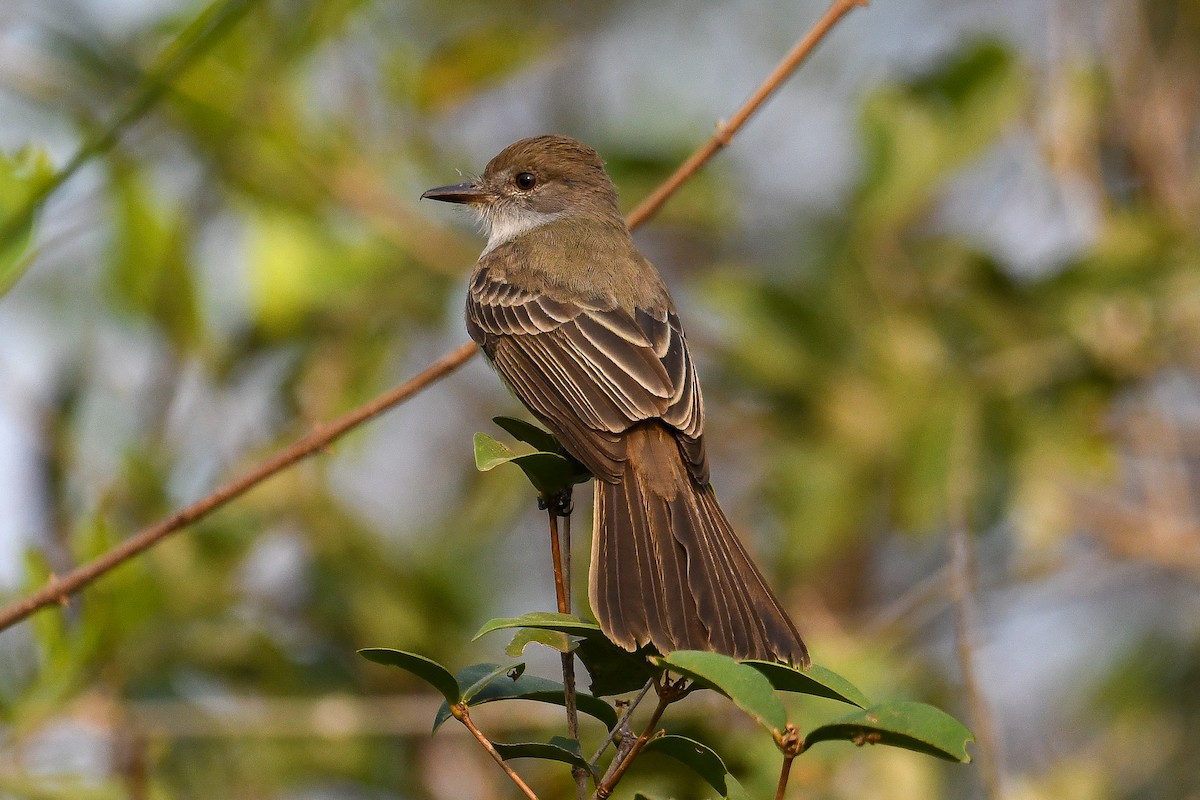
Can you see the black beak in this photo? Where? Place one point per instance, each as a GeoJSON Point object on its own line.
{"type": "Point", "coordinates": [468, 193]}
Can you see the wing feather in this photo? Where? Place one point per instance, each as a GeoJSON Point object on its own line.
{"type": "Point", "coordinates": [590, 370]}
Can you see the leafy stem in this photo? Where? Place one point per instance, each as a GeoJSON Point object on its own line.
{"type": "Point", "coordinates": [792, 745]}
{"type": "Point", "coordinates": [559, 506]}
{"type": "Point", "coordinates": [668, 692]}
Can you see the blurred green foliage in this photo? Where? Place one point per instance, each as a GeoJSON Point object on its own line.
{"type": "Point", "coordinates": [20, 176]}
{"type": "Point", "coordinates": [885, 374]}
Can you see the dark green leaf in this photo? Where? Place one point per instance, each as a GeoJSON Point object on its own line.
{"type": "Point", "coordinates": [424, 668]}
{"type": "Point", "coordinates": [538, 438]}
{"type": "Point", "coordinates": [559, 748]}
{"type": "Point", "coordinates": [816, 680]}
{"type": "Point", "coordinates": [913, 726]}
{"type": "Point", "coordinates": [552, 639]}
{"type": "Point", "coordinates": [549, 473]}
{"type": "Point", "coordinates": [478, 676]}
{"type": "Point", "coordinates": [613, 669]}
{"type": "Point", "coordinates": [528, 687]}
{"type": "Point", "coordinates": [542, 620]}
{"type": "Point", "coordinates": [745, 686]}
{"type": "Point", "coordinates": [701, 759]}
{"type": "Point", "coordinates": [543, 441]}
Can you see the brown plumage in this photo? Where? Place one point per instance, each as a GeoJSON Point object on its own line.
{"type": "Point", "coordinates": [581, 327]}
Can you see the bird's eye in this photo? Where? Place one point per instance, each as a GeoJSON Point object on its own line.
{"type": "Point", "coordinates": [525, 181]}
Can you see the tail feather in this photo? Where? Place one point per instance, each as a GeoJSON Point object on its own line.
{"type": "Point", "coordinates": [669, 570]}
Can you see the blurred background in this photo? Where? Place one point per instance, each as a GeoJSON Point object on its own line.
{"type": "Point", "coordinates": [947, 280]}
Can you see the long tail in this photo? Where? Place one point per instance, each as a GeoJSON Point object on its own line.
{"type": "Point", "coordinates": [668, 569]}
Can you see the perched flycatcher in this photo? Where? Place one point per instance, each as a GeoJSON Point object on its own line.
{"type": "Point", "coordinates": [581, 327]}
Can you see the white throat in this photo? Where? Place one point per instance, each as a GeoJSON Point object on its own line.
{"type": "Point", "coordinates": [507, 225]}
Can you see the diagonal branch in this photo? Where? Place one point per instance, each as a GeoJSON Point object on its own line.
{"type": "Point", "coordinates": [726, 130]}
{"type": "Point", "coordinates": [60, 588]}
{"type": "Point", "coordinates": [463, 715]}
{"type": "Point", "coordinates": [560, 551]}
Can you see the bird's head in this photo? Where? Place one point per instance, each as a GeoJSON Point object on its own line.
{"type": "Point", "coordinates": [533, 182]}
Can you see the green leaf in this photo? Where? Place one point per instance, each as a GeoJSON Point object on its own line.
{"type": "Point", "coordinates": [542, 620]}
{"type": "Point", "coordinates": [538, 438]}
{"type": "Point", "coordinates": [550, 473]}
{"type": "Point", "coordinates": [552, 639]}
{"type": "Point", "coordinates": [816, 680]}
{"type": "Point", "coordinates": [424, 668]}
{"type": "Point", "coordinates": [745, 686]}
{"type": "Point", "coordinates": [486, 674]}
{"type": "Point", "coordinates": [913, 726]}
{"type": "Point", "coordinates": [527, 687]}
{"type": "Point", "coordinates": [559, 748]}
{"type": "Point", "coordinates": [613, 669]}
{"type": "Point", "coordinates": [702, 760]}
{"type": "Point", "coordinates": [20, 176]}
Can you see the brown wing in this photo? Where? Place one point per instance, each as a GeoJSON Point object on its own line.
{"type": "Point", "coordinates": [590, 372]}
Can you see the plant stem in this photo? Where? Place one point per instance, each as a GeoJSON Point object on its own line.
{"type": "Point", "coordinates": [726, 130]}
{"type": "Point", "coordinates": [561, 580]}
{"type": "Point", "coordinates": [784, 772]}
{"type": "Point", "coordinates": [561, 554]}
{"type": "Point", "coordinates": [667, 693]}
{"type": "Point", "coordinates": [59, 589]}
{"type": "Point", "coordinates": [623, 722]}
{"type": "Point", "coordinates": [464, 716]}
{"type": "Point", "coordinates": [792, 746]}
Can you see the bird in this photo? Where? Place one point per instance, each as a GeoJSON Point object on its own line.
{"type": "Point", "coordinates": [582, 329]}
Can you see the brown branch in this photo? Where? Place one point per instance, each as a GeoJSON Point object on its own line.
{"type": "Point", "coordinates": [556, 554]}
{"type": "Point", "coordinates": [792, 745]}
{"type": "Point", "coordinates": [561, 505]}
{"type": "Point", "coordinates": [727, 130]}
{"type": "Point", "coordinates": [785, 772]}
{"type": "Point", "coordinates": [668, 693]}
{"type": "Point", "coordinates": [462, 715]}
{"type": "Point", "coordinates": [622, 726]}
{"type": "Point", "coordinates": [59, 589]}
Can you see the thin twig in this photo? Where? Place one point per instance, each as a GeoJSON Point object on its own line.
{"type": "Point", "coordinates": [560, 582]}
{"type": "Point", "coordinates": [727, 129]}
{"type": "Point", "coordinates": [556, 507]}
{"type": "Point", "coordinates": [566, 557]}
{"type": "Point", "coordinates": [668, 693]}
{"type": "Point", "coordinates": [785, 772]}
{"type": "Point", "coordinates": [622, 723]}
{"type": "Point", "coordinates": [462, 715]}
{"type": "Point", "coordinates": [962, 568]}
{"type": "Point", "coordinates": [59, 589]}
